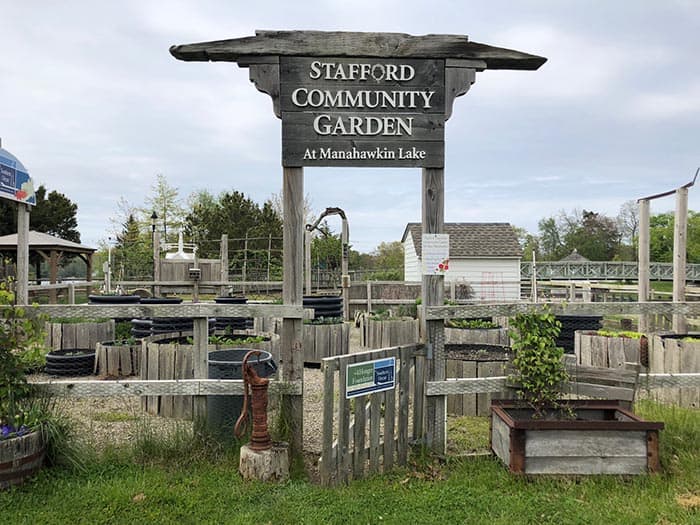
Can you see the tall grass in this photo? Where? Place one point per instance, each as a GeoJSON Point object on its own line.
{"type": "Point", "coordinates": [180, 477]}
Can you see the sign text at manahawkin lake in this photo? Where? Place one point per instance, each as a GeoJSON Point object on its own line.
{"type": "Point", "coordinates": [362, 112]}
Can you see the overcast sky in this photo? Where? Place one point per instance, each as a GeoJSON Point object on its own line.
{"type": "Point", "coordinates": [94, 105]}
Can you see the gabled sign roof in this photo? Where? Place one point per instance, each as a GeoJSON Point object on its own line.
{"type": "Point", "coordinates": [354, 44]}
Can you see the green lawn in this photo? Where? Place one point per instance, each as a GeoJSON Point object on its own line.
{"type": "Point", "coordinates": [182, 487]}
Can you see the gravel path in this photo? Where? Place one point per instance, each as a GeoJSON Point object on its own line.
{"type": "Point", "coordinates": [104, 421]}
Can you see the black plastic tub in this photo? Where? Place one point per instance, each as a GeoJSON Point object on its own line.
{"type": "Point", "coordinates": [223, 411]}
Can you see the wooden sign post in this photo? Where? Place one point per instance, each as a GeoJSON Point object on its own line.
{"type": "Point", "coordinates": [364, 100]}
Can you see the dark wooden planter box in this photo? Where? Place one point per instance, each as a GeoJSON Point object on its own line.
{"type": "Point", "coordinates": [604, 439]}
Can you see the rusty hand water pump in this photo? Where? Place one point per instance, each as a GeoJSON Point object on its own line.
{"type": "Point", "coordinates": [260, 437]}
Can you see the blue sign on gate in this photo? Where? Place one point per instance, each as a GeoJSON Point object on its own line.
{"type": "Point", "coordinates": [370, 376]}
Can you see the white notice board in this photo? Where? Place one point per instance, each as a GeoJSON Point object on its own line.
{"type": "Point", "coordinates": [436, 253]}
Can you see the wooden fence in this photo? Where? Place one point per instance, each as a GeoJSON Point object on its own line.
{"type": "Point", "coordinates": [370, 433]}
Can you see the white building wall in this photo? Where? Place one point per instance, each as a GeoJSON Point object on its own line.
{"type": "Point", "coordinates": [411, 263]}
{"type": "Point", "coordinates": [492, 279]}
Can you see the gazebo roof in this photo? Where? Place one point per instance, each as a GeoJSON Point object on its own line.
{"type": "Point", "coordinates": [44, 241]}
{"type": "Point", "coordinates": [354, 44]}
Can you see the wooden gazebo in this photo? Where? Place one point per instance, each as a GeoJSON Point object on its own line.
{"type": "Point", "coordinates": [51, 249]}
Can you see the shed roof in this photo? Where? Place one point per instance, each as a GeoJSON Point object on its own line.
{"type": "Point", "coordinates": [574, 256]}
{"type": "Point", "coordinates": [473, 239]}
{"type": "Point", "coordinates": [39, 241]}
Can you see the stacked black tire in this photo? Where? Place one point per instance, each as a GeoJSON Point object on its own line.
{"type": "Point", "coordinates": [70, 362]}
{"type": "Point", "coordinates": [324, 305]}
{"type": "Point", "coordinates": [141, 328]}
{"type": "Point", "coordinates": [571, 323]}
{"type": "Point", "coordinates": [114, 299]}
{"type": "Point", "coordinates": [233, 323]}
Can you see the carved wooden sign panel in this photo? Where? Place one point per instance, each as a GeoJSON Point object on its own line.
{"type": "Point", "coordinates": [362, 112]}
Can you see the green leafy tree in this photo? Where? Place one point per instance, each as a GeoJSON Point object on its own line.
{"type": "Point", "coordinates": [596, 237]}
{"type": "Point", "coordinates": [165, 201]}
{"type": "Point", "coordinates": [54, 214]}
{"type": "Point", "coordinates": [326, 249]}
{"type": "Point", "coordinates": [551, 245]}
{"type": "Point", "coordinates": [661, 237]}
{"type": "Point", "coordinates": [133, 258]}
{"type": "Point", "coordinates": [255, 232]}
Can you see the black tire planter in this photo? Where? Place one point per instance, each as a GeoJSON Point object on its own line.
{"type": "Point", "coordinates": [324, 305]}
{"type": "Point", "coordinates": [69, 362]}
{"type": "Point", "coordinates": [320, 300]}
{"type": "Point", "coordinates": [114, 299]}
{"type": "Point", "coordinates": [161, 300]}
{"type": "Point", "coordinates": [231, 300]}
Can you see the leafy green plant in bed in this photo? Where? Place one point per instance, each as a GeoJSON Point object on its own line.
{"type": "Point", "coordinates": [470, 324]}
{"type": "Point", "coordinates": [539, 371]}
{"type": "Point", "coordinates": [622, 333]}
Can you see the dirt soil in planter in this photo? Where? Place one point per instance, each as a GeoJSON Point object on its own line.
{"type": "Point", "coordinates": [475, 352]}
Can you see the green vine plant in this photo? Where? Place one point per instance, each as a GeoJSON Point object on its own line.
{"type": "Point", "coordinates": [471, 324]}
{"type": "Point", "coordinates": [21, 337]}
{"type": "Point", "coordinates": [539, 370]}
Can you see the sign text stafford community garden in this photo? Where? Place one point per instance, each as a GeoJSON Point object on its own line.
{"type": "Point", "coordinates": [362, 112]}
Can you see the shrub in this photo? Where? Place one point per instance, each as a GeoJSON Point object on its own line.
{"type": "Point", "coordinates": [537, 359]}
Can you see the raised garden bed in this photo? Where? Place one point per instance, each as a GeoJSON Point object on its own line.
{"type": "Point", "coordinates": [474, 360]}
{"type": "Point", "coordinates": [70, 362]}
{"type": "Point", "coordinates": [77, 333]}
{"type": "Point", "coordinates": [471, 331]}
{"type": "Point", "coordinates": [325, 339]}
{"type": "Point", "coordinates": [610, 349]}
{"type": "Point", "coordinates": [117, 358]}
{"type": "Point", "coordinates": [385, 332]}
{"type": "Point", "coordinates": [602, 438]}
{"type": "Point", "coordinates": [674, 354]}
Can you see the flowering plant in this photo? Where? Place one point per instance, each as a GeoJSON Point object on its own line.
{"type": "Point", "coordinates": [19, 333]}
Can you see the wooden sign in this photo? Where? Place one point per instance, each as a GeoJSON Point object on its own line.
{"type": "Point", "coordinates": [362, 112]}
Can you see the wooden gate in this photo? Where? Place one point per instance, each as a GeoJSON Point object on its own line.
{"type": "Point", "coordinates": [373, 432]}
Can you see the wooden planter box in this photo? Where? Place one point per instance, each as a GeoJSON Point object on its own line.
{"type": "Point", "coordinates": [162, 358]}
{"type": "Point", "coordinates": [474, 360]}
{"type": "Point", "coordinates": [491, 336]}
{"type": "Point", "coordinates": [20, 458]}
{"type": "Point", "coordinates": [112, 360]}
{"type": "Point", "coordinates": [383, 334]}
{"type": "Point", "coordinates": [604, 439]}
{"type": "Point", "coordinates": [604, 351]}
{"type": "Point", "coordinates": [325, 340]}
{"type": "Point", "coordinates": [61, 336]}
{"type": "Point", "coordinates": [670, 354]}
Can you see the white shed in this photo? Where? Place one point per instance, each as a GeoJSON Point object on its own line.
{"type": "Point", "coordinates": [484, 255]}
